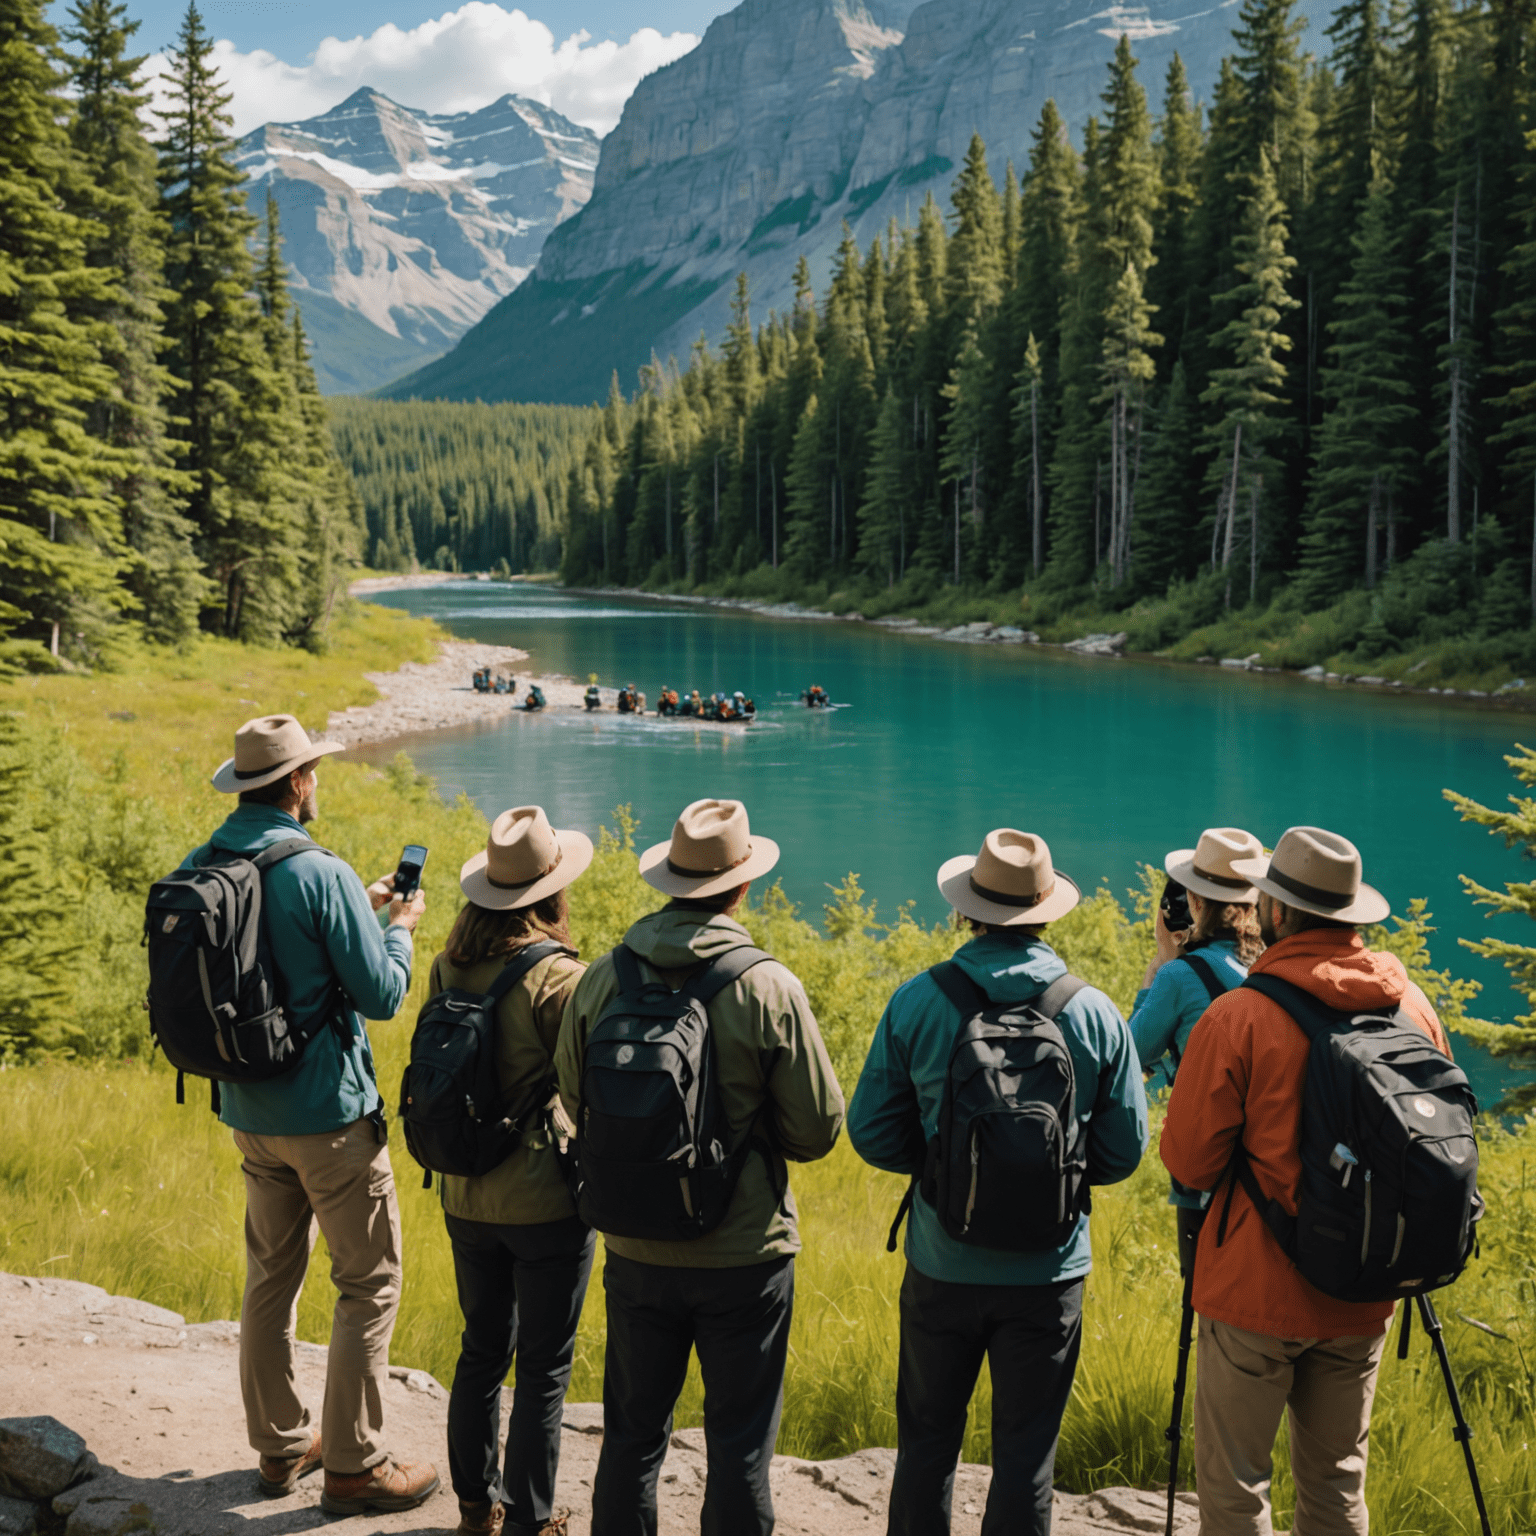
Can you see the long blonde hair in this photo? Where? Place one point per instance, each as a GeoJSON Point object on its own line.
{"type": "Point", "coordinates": [482, 933]}
{"type": "Point", "coordinates": [1235, 921]}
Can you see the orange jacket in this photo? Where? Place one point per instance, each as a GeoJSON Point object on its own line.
{"type": "Point", "coordinates": [1242, 1075]}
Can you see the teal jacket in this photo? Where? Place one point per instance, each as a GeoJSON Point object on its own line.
{"type": "Point", "coordinates": [323, 930]}
{"type": "Point", "coordinates": [1163, 1017]}
{"type": "Point", "coordinates": [896, 1106]}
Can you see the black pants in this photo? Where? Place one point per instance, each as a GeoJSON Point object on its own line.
{"type": "Point", "coordinates": [520, 1290]}
{"type": "Point", "coordinates": [738, 1320]}
{"type": "Point", "coordinates": [1029, 1336]}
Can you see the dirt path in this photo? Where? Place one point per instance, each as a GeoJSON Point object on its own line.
{"type": "Point", "coordinates": [158, 1402]}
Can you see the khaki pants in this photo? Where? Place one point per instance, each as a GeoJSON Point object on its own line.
{"type": "Point", "coordinates": [343, 1180]}
{"type": "Point", "coordinates": [1243, 1382]}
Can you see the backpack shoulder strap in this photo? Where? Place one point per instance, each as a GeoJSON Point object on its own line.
{"type": "Point", "coordinates": [959, 988]}
{"type": "Point", "coordinates": [626, 969]}
{"type": "Point", "coordinates": [1207, 974]}
{"type": "Point", "coordinates": [1055, 998]}
{"type": "Point", "coordinates": [722, 971]}
{"type": "Point", "coordinates": [521, 963]}
{"type": "Point", "coordinates": [1312, 1017]}
{"type": "Point", "coordinates": [277, 852]}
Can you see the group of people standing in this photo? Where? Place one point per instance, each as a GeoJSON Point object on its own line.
{"type": "Point", "coordinates": [313, 1147]}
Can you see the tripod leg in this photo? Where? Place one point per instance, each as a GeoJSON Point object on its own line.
{"type": "Point", "coordinates": [1175, 1430]}
{"type": "Point", "coordinates": [1463, 1431]}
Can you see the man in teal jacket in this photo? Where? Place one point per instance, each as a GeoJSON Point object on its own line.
{"type": "Point", "coordinates": [962, 1303]}
{"type": "Point", "coordinates": [313, 1140]}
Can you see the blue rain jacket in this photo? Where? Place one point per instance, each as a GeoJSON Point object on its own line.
{"type": "Point", "coordinates": [323, 930]}
{"type": "Point", "coordinates": [895, 1109]}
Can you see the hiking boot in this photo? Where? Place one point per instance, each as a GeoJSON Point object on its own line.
{"type": "Point", "coordinates": [280, 1474]}
{"type": "Point", "coordinates": [390, 1485]}
{"type": "Point", "coordinates": [482, 1519]}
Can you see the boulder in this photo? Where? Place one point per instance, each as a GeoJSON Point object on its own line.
{"type": "Point", "coordinates": [1098, 645]}
{"type": "Point", "coordinates": [39, 1457]}
{"type": "Point", "coordinates": [18, 1517]}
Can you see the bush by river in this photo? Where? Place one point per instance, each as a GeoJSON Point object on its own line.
{"type": "Point", "coordinates": [103, 1178]}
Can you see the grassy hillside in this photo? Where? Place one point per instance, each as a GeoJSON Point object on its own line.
{"type": "Point", "coordinates": [103, 1178]}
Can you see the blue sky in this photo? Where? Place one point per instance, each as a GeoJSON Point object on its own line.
{"type": "Point", "coordinates": [292, 28]}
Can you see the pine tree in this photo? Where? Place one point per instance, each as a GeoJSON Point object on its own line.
{"type": "Point", "coordinates": [1364, 442]}
{"type": "Point", "coordinates": [1168, 515]}
{"type": "Point", "coordinates": [1179, 148]}
{"type": "Point", "coordinates": [974, 267]}
{"type": "Point", "coordinates": [883, 514]}
{"type": "Point", "coordinates": [1027, 447]}
{"type": "Point", "coordinates": [968, 390]}
{"type": "Point", "coordinates": [162, 571]}
{"type": "Point", "coordinates": [1127, 370]}
{"type": "Point", "coordinates": [1246, 394]}
{"type": "Point", "coordinates": [60, 529]}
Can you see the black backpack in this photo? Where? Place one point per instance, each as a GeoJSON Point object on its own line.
{"type": "Point", "coordinates": [652, 1145]}
{"type": "Point", "coordinates": [213, 1001]}
{"type": "Point", "coordinates": [1008, 1168]}
{"type": "Point", "coordinates": [451, 1101]}
{"type": "Point", "coordinates": [1388, 1203]}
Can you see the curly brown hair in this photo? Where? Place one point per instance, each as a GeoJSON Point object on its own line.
{"type": "Point", "coordinates": [1235, 922]}
{"type": "Point", "coordinates": [481, 933]}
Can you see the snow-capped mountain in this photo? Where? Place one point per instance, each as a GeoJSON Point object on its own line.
{"type": "Point", "coordinates": [402, 229]}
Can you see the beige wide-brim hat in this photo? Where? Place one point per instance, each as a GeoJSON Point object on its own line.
{"type": "Point", "coordinates": [265, 749]}
{"type": "Point", "coordinates": [711, 850]}
{"type": "Point", "coordinates": [524, 860]}
{"type": "Point", "coordinates": [1206, 869]}
{"type": "Point", "coordinates": [1011, 883]}
{"type": "Point", "coordinates": [1317, 872]}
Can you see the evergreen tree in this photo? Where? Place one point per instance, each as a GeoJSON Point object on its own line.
{"type": "Point", "coordinates": [1178, 149]}
{"type": "Point", "coordinates": [883, 514]}
{"type": "Point", "coordinates": [1168, 516]}
{"type": "Point", "coordinates": [1027, 447]}
{"type": "Point", "coordinates": [974, 266]}
{"type": "Point", "coordinates": [60, 530]}
{"type": "Point", "coordinates": [162, 570]}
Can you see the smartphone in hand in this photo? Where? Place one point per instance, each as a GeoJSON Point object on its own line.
{"type": "Point", "coordinates": [413, 858]}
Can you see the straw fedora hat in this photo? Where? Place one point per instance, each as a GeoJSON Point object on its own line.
{"type": "Point", "coordinates": [712, 850]}
{"type": "Point", "coordinates": [1317, 872]}
{"type": "Point", "coordinates": [1206, 869]}
{"type": "Point", "coordinates": [1011, 883]}
{"type": "Point", "coordinates": [524, 860]}
{"type": "Point", "coordinates": [265, 749]}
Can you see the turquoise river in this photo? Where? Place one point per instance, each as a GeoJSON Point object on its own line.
{"type": "Point", "coordinates": [1113, 762]}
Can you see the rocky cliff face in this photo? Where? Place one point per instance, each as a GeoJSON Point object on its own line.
{"type": "Point", "coordinates": [790, 117]}
{"type": "Point", "coordinates": [402, 229]}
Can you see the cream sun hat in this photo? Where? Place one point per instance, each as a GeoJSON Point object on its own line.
{"type": "Point", "coordinates": [265, 749]}
{"type": "Point", "coordinates": [1011, 883]}
{"type": "Point", "coordinates": [1317, 872]}
{"type": "Point", "coordinates": [524, 860]}
{"type": "Point", "coordinates": [711, 850]}
{"type": "Point", "coordinates": [1207, 868]}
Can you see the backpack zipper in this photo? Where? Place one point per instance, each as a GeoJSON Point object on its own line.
{"type": "Point", "coordinates": [1365, 1237]}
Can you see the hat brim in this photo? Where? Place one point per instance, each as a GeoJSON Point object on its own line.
{"type": "Point", "coordinates": [575, 860]}
{"type": "Point", "coordinates": [1180, 866]}
{"type": "Point", "coordinates": [226, 783]}
{"type": "Point", "coordinates": [1369, 905]}
{"type": "Point", "coordinates": [655, 871]}
{"type": "Point", "coordinates": [955, 885]}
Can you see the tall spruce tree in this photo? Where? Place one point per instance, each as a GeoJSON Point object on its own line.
{"type": "Point", "coordinates": [1178, 149]}
{"type": "Point", "coordinates": [61, 547]}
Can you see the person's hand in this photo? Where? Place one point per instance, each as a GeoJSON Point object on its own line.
{"type": "Point", "coordinates": [1170, 946]}
{"type": "Point", "coordinates": [406, 912]}
{"type": "Point", "coordinates": [381, 890]}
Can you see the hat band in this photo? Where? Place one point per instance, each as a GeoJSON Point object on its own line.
{"type": "Point", "coordinates": [1227, 880]}
{"type": "Point", "coordinates": [1313, 893]}
{"type": "Point", "coordinates": [518, 885]}
{"type": "Point", "coordinates": [707, 874]}
{"type": "Point", "coordinates": [259, 773]}
{"type": "Point", "coordinates": [1003, 899]}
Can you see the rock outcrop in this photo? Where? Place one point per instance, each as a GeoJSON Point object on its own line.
{"type": "Point", "coordinates": [403, 228]}
{"type": "Point", "coordinates": [790, 117]}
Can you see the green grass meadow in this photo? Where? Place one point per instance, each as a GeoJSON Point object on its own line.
{"type": "Point", "coordinates": [103, 1178]}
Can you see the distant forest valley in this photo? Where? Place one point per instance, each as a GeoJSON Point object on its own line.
{"type": "Point", "coordinates": [1253, 378]}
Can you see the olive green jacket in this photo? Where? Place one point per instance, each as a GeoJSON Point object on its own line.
{"type": "Point", "coordinates": [768, 1051]}
{"type": "Point", "coordinates": [529, 1187]}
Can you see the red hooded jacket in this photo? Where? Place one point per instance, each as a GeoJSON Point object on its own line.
{"type": "Point", "coordinates": [1242, 1076]}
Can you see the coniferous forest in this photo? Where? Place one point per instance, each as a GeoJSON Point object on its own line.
{"type": "Point", "coordinates": [165, 456]}
{"type": "Point", "coordinates": [1277, 355]}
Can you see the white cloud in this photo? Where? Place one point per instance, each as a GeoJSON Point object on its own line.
{"type": "Point", "coordinates": [457, 62]}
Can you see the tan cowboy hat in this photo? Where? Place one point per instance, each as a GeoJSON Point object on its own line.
{"type": "Point", "coordinates": [1317, 872]}
{"type": "Point", "coordinates": [1010, 883]}
{"type": "Point", "coordinates": [712, 850]}
{"type": "Point", "coordinates": [265, 749]}
{"type": "Point", "coordinates": [1206, 869]}
{"type": "Point", "coordinates": [525, 860]}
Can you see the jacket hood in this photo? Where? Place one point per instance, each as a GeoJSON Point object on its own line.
{"type": "Point", "coordinates": [1009, 970]}
{"type": "Point", "coordinates": [1336, 968]}
{"type": "Point", "coordinates": [250, 828]}
{"type": "Point", "coordinates": [678, 937]}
